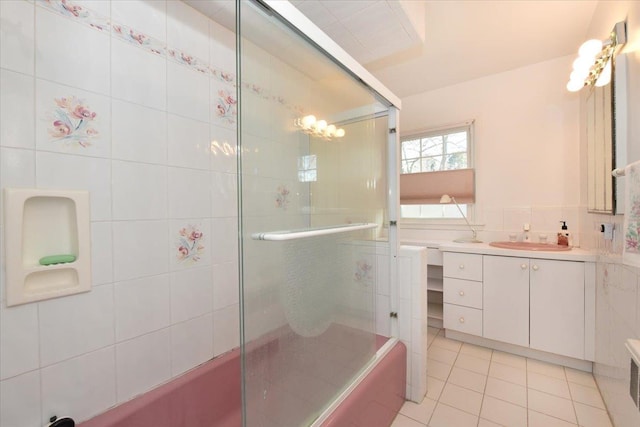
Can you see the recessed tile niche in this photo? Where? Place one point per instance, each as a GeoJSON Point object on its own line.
{"type": "Point", "coordinates": [45, 223]}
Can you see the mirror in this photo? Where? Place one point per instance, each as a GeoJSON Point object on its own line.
{"type": "Point", "coordinates": [606, 141]}
{"type": "Point", "coordinates": [599, 150]}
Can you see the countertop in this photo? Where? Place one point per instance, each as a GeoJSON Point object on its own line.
{"type": "Point", "coordinates": [575, 254]}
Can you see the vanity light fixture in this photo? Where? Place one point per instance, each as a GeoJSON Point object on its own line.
{"type": "Point", "coordinates": [446, 199]}
{"type": "Point", "coordinates": [593, 65]}
{"type": "Point", "coordinates": [320, 128]}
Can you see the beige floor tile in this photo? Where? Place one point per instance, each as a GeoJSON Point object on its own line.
{"type": "Point", "coordinates": [461, 398]}
{"type": "Point", "coordinates": [434, 388]}
{"type": "Point", "coordinates": [503, 390]}
{"type": "Point", "coordinates": [544, 368]}
{"type": "Point", "coordinates": [580, 377]}
{"type": "Point", "coordinates": [441, 341]}
{"type": "Point", "coordinates": [587, 395]}
{"type": "Point", "coordinates": [442, 355]}
{"type": "Point", "coordinates": [536, 419]}
{"type": "Point", "coordinates": [472, 363]}
{"type": "Point", "coordinates": [438, 369]}
{"type": "Point", "coordinates": [404, 421]}
{"type": "Point", "coordinates": [588, 416]}
{"type": "Point", "coordinates": [420, 412]}
{"type": "Point", "coordinates": [509, 359]}
{"type": "Point", "coordinates": [476, 351]}
{"type": "Point", "coordinates": [508, 373]}
{"type": "Point", "coordinates": [486, 423]}
{"type": "Point", "coordinates": [550, 385]}
{"type": "Point", "coordinates": [551, 405]}
{"type": "Point", "coordinates": [447, 416]}
{"type": "Point", "coordinates": [467, 379]}
{"type": "Point", "coordinates": [504, 413]}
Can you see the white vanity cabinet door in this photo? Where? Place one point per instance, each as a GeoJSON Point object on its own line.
{"type": "Point", "coordinates": [557, 307]}
{"type": "Point", "coordinates": [506, 299]}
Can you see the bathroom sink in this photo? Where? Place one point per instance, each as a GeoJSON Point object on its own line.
{"type": "Point", "coordinates": [530, 246]}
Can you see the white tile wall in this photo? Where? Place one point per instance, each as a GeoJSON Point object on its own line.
{"type": "Point", "coordinates": [139, 133]}
{"type": "Point", "coordinates": [192, 293]}
{"type": "Point", "coordinates": [142, 306]}
{"type": "Point", "coordinates": [188, 142]}
{"type": "Point", "coordinates": [189, 194]}
{"type": "Point", "coordinates": [187, 92]}
{"type": "Point", "coordinates": [64, 171]}
{"type": "Point", "coordinates": [56, 61]}
{"type": "Point", "coordinates": [17, 36]}
{"type": "Point", "coordinates": [82, 386]}
{"type": "Point", "coordinates": [20, 404]}
{"type": "Point", "coordinates": [191, 343]}
{"type": "Point", "coordinates": [19, 347]}
{"type": "Point", "coordinates": [134, 377]}
{"type": "Point", "coordinates": [16, 109]}
{"type": "Point", "coordinates": [187, 30]}
{"type": "Point", "coordinates": [75, 325]}
{"type": "Point", "coordinates": [148, 240]}
{"type": "Point", "coordinates": [138, 76]}
{"type": "Point", "coordinates": [139, 191]}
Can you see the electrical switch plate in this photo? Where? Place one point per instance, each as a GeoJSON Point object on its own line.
{"type": "Point", "coordinates": [607, 229]}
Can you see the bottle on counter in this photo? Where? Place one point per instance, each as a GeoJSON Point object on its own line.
{"type": "Point", "coordinates": [563, 234]}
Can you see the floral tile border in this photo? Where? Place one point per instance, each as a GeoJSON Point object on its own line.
{"type": "Point", "coordinates": [123, 32]}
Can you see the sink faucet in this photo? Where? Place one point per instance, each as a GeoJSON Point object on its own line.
{"type": "Point", "coordinates": [526, 228]}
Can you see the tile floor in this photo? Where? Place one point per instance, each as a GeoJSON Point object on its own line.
{"type": "Point", "coordinates": [476, 386]}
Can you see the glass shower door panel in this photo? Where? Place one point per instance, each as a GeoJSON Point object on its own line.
{"type": "Point", "coordinates": [308, 300]}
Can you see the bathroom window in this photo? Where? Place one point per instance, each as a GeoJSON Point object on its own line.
{"type": "Point", "coordinates": [435, 163]}
{"type": "Point", "coordinates": [307, 168]}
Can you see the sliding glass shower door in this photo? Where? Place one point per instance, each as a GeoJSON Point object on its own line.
{"type": "Point", "coordinates": [312, 203]}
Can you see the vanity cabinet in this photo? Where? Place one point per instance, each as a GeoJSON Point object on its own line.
{"type": "Point", "coordinates": [506, 299]}
{"type": "Point", "coordinates": [462, 293]}
{"type": "Point", "coordinates": [539, 304]}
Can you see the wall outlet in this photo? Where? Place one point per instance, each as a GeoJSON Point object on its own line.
{"type": "Point", "coordinates": [607, 229]}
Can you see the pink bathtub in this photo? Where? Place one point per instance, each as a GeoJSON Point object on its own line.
{"type": "Point", "coordinates": [209, 396]}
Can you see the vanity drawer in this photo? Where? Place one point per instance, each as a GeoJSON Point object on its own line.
{"type": "Point", "coordinates": [463, 292]}
{"type": "Point", "coordinates": [463, 319]}
{"type": "Point", "coordinates": [463, 266]}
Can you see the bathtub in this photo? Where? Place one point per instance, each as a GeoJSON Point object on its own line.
{"type": "Point", "coordinates": [210, 396]}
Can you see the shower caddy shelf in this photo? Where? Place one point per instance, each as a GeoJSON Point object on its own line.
{"type": "Point", "coordinates": [311, 232]}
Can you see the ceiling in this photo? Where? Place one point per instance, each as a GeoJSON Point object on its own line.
{"type": "Point", "coordinates": [414, 46]}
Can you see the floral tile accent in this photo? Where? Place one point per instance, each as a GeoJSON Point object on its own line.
{"type": "Point", "coordinates": [136, 38]}
{"type": "Point", "coordinates": [282, 197]}
{"type": "Point", "coordinates": [226, 107]}
{"type": "Point", "coordinates": [223, 76]}
{"type": "Point", "coordinates": [632, 217]}
{"type": "Point", "coordinates": [364, 273]}
{"type": "Point", "coordinates": [72, 122]}
{"type": "Point", "coordinates": [189, 244]}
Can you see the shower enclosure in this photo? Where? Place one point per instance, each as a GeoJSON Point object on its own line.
{"type": "Point", "coordinates": [312, 180]}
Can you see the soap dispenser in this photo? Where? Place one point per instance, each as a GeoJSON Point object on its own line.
{"type": "Point", "coordinates": [563, 234]}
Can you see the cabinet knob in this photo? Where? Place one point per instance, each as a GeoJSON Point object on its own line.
{"type": "Point", "coordinates": [535, 267]}
{"type": "Point", "coordinates": [461, 266]}
{"type": "Point", "coordinates": [461, 293]}
{"type": "Point", "coordinates": [461, 320]}
{"type": "Point", "coordinates": [523, 266]}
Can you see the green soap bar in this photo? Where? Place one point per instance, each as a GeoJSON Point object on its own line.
{"type": "Point", "coordinates": [57, 259]}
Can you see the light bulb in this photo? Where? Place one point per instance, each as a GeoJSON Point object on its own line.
{"type": "Point", "coordinates": [321, 125]}
{"type": "Point", "coordinates": [575, 85]}
{"type": "Point", "coordinates": [579, 75]}
{"type": "Point", "coordinates": [330, 131]}
{"type": "Point", "coordinates": [605, 76]}
{"type": "Point", "coordinates": [590, 48]}
{"type": "Point", "coordinates": [582, 63]}
{"type": "Point", "coordinates": [308, 121]}
{"type": "Point", "coordinates": [339, 133]}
